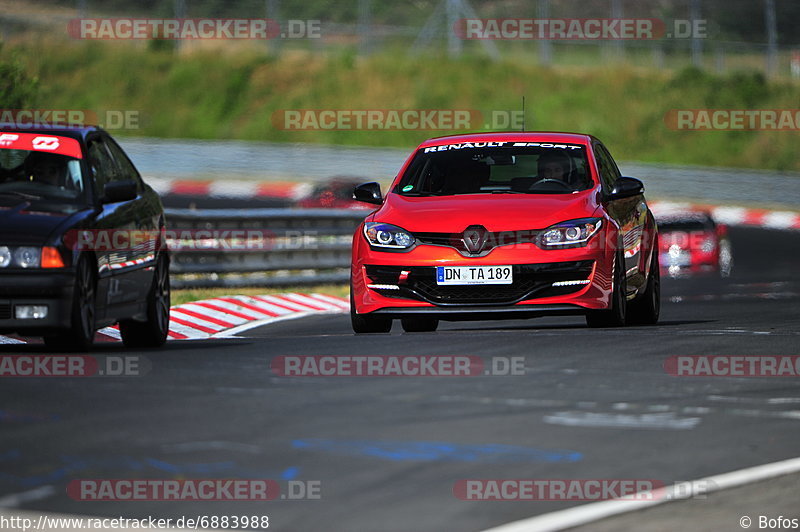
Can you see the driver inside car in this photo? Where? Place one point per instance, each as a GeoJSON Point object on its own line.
{"type": "Point", "coordinates": [554, 167]}
{"type": "Point", "coordinates": [49, 169]}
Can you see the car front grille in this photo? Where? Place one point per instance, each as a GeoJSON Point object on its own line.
{"type": "Point", "coordinates": [5, 311]}
{"type": "Point", "coordinates": [493, 240]}
{"type": "Point", "coordinates": [530, 281]}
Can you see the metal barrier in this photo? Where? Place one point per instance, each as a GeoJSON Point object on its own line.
{"type": "Point", "coordinates": [260, 247]}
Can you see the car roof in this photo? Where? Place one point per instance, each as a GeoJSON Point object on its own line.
{"type": "Point", "coordinates": [513, 136]}
{"type": "Point", "coordinates": [684, 216]}
{"type": "Point", "coordinates": [75, 132]}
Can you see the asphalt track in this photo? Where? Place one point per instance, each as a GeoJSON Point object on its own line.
{"type": "Point", "coordinates": [388, 451]}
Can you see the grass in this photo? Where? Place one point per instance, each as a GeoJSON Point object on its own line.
{"type": "Point", "coordinates": [187, 295]}
{"type": "Point", "coordinates": [219, 94]}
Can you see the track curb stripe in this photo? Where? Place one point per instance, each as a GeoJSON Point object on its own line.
{"type": "Point", "coordinates": [223, 316]}
{"type": "Point", "coordinates": [731, 215]}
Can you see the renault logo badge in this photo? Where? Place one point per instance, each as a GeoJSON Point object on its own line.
{"type": "Point", "coordinates": [475, 237]}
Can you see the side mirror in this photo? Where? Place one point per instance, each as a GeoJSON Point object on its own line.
{"type": "Point", "coordinates": [368, 193]}
{"type": "Point", "coordinates": [626, 187]}
{"type": "Point", "coordinates": [117, 191]}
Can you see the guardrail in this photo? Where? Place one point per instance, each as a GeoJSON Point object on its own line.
{"type": "Point", "coordinates": [260, 247]}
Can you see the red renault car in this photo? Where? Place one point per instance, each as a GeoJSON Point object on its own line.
{"type": "Point", "coordinates": [505, 225]}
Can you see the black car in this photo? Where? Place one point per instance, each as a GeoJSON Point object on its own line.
{"type": "Point", "coordinates": [81, 240]}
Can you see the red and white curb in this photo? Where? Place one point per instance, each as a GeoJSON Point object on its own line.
{"type": "Point", "coordinates": [230, 315]}
{"type": "Point", "coordinates": [231, 188]}
{"type": "Point", "coordinates": [743, 216]}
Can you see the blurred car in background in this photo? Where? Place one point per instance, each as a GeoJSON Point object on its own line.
{"type": "Point", "coordinates": [691, 242]}
{"type": "Point", "coordinates": [336, 193]}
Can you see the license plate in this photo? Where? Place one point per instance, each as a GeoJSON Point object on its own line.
{"type": "Point", "coordinates": [682, 259]}
{"type": "Point", "coordinates": [474, 275]}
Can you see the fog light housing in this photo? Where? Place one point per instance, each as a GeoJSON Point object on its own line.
{"type": "Point", "coordinates": [30, 312]}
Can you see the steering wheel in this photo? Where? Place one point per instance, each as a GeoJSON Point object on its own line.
{"type": "Point", "coordinates": [550, 180]}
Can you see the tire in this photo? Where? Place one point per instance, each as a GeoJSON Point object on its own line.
{"type": "Point", "coordinates": [363, 323]}
{"type": "Point", "coordinates": [616, 315]}
{"type": "Point", "coordinates": [80, 336]}
{"type": "Point", "coordinates": [153, 332]}
{"type": "Point", "coordinates": [419, 324]}
{"type": "Point", "coordinates": [647, 308]}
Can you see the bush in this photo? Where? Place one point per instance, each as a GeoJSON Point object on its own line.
{"type": "Point", "coordinates": [17, 88]}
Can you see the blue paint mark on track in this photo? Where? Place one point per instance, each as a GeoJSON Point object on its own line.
{"type": "Point", "coordinates": [429, 451]}
{"type": "Point", "coordinates": [70, 466]}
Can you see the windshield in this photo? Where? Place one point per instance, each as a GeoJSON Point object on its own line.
{"type": "Point", "coordinates": [696, 223]}
{"type": "Point", "coordinates": [40, 176]}
{"type": "Point", "coordinates": [496, 168]}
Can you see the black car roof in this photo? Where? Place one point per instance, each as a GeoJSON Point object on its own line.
{"type": "Point", "coordinates": [75, 132]}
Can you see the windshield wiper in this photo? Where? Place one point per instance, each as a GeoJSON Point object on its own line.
{"type": "Point", "coordinates": [19, 195]}
{"type": "Point", "coordinates": [422, 194]}
{"type": "Point", "coordinates": [510, 192]}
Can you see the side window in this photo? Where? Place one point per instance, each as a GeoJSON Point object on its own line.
{"type": "Point", "coordinates": [103, 167]}
{"type": "Point", "coordinates": [608, 169]}
{"type": "Point", "coordinates": [614, 167]}
{"type": "Point", "coordinates": [126, 168]}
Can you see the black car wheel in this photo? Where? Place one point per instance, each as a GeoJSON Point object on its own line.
{"type": "Point", "coordinates": [81, 335]}
{"type": "Point", "coordinates": [153, 332]}
{"type": "Point", "coordinates": [363, 323]}
{"type": "Point", "coordinates": [419, 324]}
{"type": "Point", "coordinates": [616, 315]}
{"type": "Point", "coordinates": [647, 308]}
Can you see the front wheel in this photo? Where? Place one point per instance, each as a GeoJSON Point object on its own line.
{"type": "Point", "coordinates": [364, 323]}
{"type": "Point", "coordinates": [616, 315]}
{"type": "Point", "coordinates": [646, 309]}
{"type": "Point", "coordinates": [153, 332]}
{"type": "Point", "coordinates": [81, 335]}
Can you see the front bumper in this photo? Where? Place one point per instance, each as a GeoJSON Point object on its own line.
{"type": "Point", "coordinates": [532, 293]}
{"type": "Point", "coordinates": [55, 290]}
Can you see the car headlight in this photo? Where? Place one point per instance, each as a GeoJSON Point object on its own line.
{"type": "Point", "coordinates": [573, 233]}
{"type": "Point", "coordinates": [387, 236]}
{"type": "Point", "coordinates": [5, 256]}
{"type": "Point", "coordinates": [27, 257]}
{"type": "Point", "coordinates": [30, 257]}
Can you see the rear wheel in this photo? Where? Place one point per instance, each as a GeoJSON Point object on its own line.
{"type": "Point", "coordinates": [646, 309]}
{"type": "Point", "coordinates": [153, 332]}
{"type": "Point", "coordinates": [419, 324]}
{"type": "Point", "coordinates": [81, 335]}
{"type": "Point", "coordinates": [364, 323]}
{"type": "Point", "coordinates": [616, 315]}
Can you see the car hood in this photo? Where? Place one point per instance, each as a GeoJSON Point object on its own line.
{"type": "Point", "coordinates": [496, 212]}
{"type": "Point", "coordinates": [33, 223]}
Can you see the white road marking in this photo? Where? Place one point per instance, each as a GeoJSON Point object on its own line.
{"type": "Point", "coordinates": [17, 499]}
{"type": "Point", "coordinates": [589, 513]}
{"type": "Point", "coordinates": [661, 421]}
